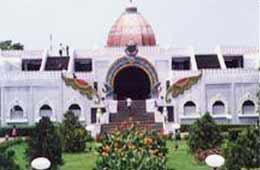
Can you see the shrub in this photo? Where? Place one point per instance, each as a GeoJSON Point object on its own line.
{"type": "Point", "coordinates": [4, 146]}
{"type": "Point", "coordinates": [7, 161]}
{"type": "Point", "coordinates": [132, 148]}
{"type": "Point", "coordinates": [73, 133]}
{"type": "Point", "coordinates": [245, 151]}
{"type": "Point", "coordinates": [45, 142]}
{"type": "Point", "coordinates": [223, 127]}
{"type": "Point", "coordinates": [204, 134]}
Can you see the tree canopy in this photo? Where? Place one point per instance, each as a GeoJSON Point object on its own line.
{"type": "Point", "coordinates": [9, 45]}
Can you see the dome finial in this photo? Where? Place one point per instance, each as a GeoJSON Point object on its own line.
{"type": "Point", "coordinates": [131, 7]}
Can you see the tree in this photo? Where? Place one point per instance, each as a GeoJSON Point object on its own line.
{"type": "Point", "coordinates": [204, 134]}
{"type": "Point", "coordinates": [245, 151]}
{"type": "Point", "coordinates": [45, 142]}
{"type": "Point", "coordinates": [73, 133]}
{"type": "Point", "coordinates": [8, 45]}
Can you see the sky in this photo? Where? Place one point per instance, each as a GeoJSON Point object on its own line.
{"type": "Point", "coordinates": [84, 24]}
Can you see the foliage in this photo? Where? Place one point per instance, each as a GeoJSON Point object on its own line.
{"type": "Point", "coordinates": [204, 134]}
{"type": "Point", "coordinates": [245, 151]}
{"type": "Point", "coordinates": [4, 146]}
{"type": "Point", "coordinates": [223, 127]}
{"type": "Point", "coordinates": [74, 135]}
{"type": "Point", "coordinates": [45, 142]}
{"type": "Point", "coordinates": [132, 148]}
{"type": "Point", "coordinates": [9, 45]}
{"type": "Point", "coordinates": [7, 161]}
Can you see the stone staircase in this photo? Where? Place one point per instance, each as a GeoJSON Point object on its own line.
{"type": "Point", "coordinates": [125, 118]}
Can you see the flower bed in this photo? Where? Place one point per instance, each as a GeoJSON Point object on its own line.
{"type": "Point", "coordinates": [133, 148]}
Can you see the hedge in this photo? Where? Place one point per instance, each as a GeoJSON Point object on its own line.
{"type": "Point", "coordinates": [223, 127]}
{"type": "Point", "coordinates": [4, 146]}
{"type": "Point", "coordinates": [21, 131]}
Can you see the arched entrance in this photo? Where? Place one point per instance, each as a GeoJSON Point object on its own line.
{"type": "Point", "coordinates": [132, 82]}
{"type": "Point", "coordinates": [133, 77]}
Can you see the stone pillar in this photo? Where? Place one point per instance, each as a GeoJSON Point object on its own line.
{"type": "Point", "coordinates": [220, 58]}
{"type": "Point", "coordinates": [71, 63]}
{"type": "Point", "coordinates": [193, 60]}
{"type": "Point", "coordinates": [44, 60]}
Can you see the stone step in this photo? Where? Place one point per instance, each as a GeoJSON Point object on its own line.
{"type": "Point", "coordinates": [137, 106]}
{"type": "Point", "coordinates": [110, 128]}
{"type": "Point", "coordinates": [120, 117]}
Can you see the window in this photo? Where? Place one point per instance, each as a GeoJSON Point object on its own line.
{"type": "Point", "coordinates": [46, 111]}
{"type": "Point", "coordinates": [31, 64]}
{"type": "Point", "coordinates": [208, 61]}
{"type": "Point", "coordinates": [75, 108]}
{"type": "Point", "coordinates": [218, 108]}
{"type": "Point", "coordinates": [248, 107]}
{"type": "Point", "coordinates": [234, 61]}
{"type": "Point", "coordinates": [83, 65]}
{"type": "Point", "coordinates": [57, 63]}
{"type": "Point", "coordinates": [189, 108]}
{"type": "Point", "coordinates": [16, 113]}
{"type": "Point", "coordinates": [170, 111]}
{"type": "Point", "coordinates": [93, 115]}
{"type": "Point", "coordinates": [181, 63]}
{"type": "Point", "coordinates": [160, 109]}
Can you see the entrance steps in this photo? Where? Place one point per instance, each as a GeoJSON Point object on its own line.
{"type": "Point", "coordinates": [125, 118]}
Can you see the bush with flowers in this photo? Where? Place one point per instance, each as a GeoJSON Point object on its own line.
{"type": "Point", "coordinates": [132, 148]}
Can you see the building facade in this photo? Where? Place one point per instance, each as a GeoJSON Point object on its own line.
{"type": "Point", "coordinates": [177, 85]}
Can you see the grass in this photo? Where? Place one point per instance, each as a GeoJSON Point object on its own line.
{"type": "Point", "coordinates": [20, 158]}
{"type": "Point", "coordinates": [182, 159]}
{"type": "Point", "coordinates": [178, 160]}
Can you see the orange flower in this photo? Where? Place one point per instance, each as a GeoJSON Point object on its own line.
{"type": "Point", "coordinates": [105, 154]}
{"type": "Point", "coordinates": [148, 141]}
{"type": "Point", "coordinates": [106, 149]}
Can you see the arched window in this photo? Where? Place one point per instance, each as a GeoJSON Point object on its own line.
{"type": "Point", "coordinates": [248, 107]}
{"type": "Point", "coordinates": [218, 108]}
{"type": "Point", "coordinates": [189, 108]}
{"type": "Point", "coordinates": [75, 108]}
{"type": "Point", "coordinates": [46, 111]}
{"type": "Point", "coordinates": [16, 112]}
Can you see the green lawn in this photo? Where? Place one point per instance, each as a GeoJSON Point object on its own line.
{"type": "Point", "coordinates": [179, 160]}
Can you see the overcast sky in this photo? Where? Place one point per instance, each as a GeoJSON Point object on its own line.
{"type": "Point", "coordinates": [84, 24]}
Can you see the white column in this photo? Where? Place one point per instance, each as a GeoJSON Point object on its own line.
{"type": "Point", "coordinates": [31, 115]}
{"type": "Point", "coordinates": [193, 60]}
{"type": "Point", "coordinates": [220, 58]}
{"type": "Point", "coordinates": [44, 60]}
{"type": "Point", "coordinates": [71, 63]}
{"type": "Point", "coordinates": [233, 104]}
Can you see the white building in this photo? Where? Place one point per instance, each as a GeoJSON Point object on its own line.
{"type": "Point", "coordinates": [132, 65]}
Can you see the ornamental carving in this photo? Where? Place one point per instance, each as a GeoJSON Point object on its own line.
{"type": "Point", "coordinates": [137, 61]}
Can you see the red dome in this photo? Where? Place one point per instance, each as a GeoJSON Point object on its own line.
{"type": "Point", "coordinates": [131, 26]}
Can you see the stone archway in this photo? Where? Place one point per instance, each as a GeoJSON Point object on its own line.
{"type": "Point", "coordinates": [138, 66]}
{"type": "Point", "coordinates": [132, 82]}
